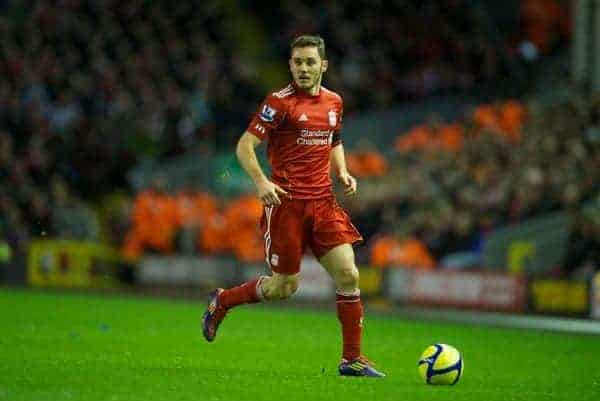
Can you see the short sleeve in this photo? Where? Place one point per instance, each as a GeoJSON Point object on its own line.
{"type": "Point", "coordinates": [337, 131]}
{"type": "Point", "coordinates": [268, 117]}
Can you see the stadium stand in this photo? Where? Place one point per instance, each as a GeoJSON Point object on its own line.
{"type": "Point", "coordinates": [122, 86]}
{"type": "Point", "coordinates": [509, 170]}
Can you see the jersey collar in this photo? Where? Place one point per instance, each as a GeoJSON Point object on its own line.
{"type": "Point", "coordinates": [302, 92]}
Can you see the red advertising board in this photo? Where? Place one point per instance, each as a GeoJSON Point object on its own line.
{"type": "Point", "coordinates": [595, 297]}
{"type": "Point", "coordinates": [477, 290]}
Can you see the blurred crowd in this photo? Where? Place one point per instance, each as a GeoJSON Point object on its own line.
{"type": "Point", "coordinates": [432, 203]}
{"type": "Point", "coordinates": [385, 52]}
{"type": "Point", "coordinates": [451, 184]}
{"type": "Point", "coordinates": [191, 221]}
{"type": "Point", "coordinates": [89, 89]}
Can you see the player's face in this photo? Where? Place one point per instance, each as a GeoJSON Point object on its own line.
{"type": "Point", "coordinates": [307, 67]}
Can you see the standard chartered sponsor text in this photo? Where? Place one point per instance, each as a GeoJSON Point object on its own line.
{"type": "Point", "coordinates": [316, 137]}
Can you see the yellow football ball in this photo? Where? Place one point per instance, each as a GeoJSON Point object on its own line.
{"type": "Point", "coordinates": [441, 364]}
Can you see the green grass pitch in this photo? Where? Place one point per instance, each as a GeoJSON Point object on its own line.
{"type": "Point", "coordinates": [56, 347]}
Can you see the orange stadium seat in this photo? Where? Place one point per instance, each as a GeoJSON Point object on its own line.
{"type": "Point", "coordinates": [235, 230]}
{"type": "Point", "coordinates": [512, 117]}
{"type": "Point", "coordinates": [381, 251]}
{"type": "Point", "coordinates": [409, 253]}
{"type": "Point", "coordinates": [375, 163]}
{"type": "Point", "coordinates": [543, 21]}
{"type": "Point", "coordinates": [451, 137]}
{"type": "Point", "coordinates": [194, 208]}
{"type": "Point", "coordinates": [354, 165]}
{"type": "Point", "coordinates": [419, 137]}
{"type": "Point", "coordinates": [366, 164]}
{"type": "Point", "coordinates": [243, 232]}
{"type": "Point", "coordinates": [486, 117]}
{"type": "Point", "coordinates": [213, 237]}
{"type": "Point", "coordinates": [154, 222]}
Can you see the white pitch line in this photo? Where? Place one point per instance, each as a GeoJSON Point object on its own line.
{"type": "Point", "coordinates": [559, 324]}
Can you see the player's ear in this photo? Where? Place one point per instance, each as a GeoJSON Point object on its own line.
{"type": "Point", "coordinates": [291, 63]}
{"type": "Point", "coordinates": [324, 65]}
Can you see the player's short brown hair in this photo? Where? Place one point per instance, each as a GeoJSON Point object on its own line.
{"type": "Point", "coordinates": [309, 41]}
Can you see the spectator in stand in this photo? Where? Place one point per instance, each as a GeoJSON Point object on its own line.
{"type": "Point", "coordinates": [450, 137]}
{"type": "Point", "coordinates": [401, 250]}
{"type": "Point", "coordinates": [154, 221]}
{"type": "Point", "coordinates": [70, 217]}
{"type": "Point", "coordinates": [533, 167]}
{"type": "Point", "coordinates": [12, 225]}
{"type": "Point", "coordinates": [234, 230]}
{"type": "Point", "coordinates": [244, 237]}
{"type": "Point", "coordinates": [368, 163]}
{"type": "Point", "coordinates": [418, 138]}
{"type": "Point", "coordinates": [583, 253]}
{"type": "Point", "coordinates": [193, 209]}
{"type": "Point", "coordinates": [213, 238]}
{"type": "Point", "coordinates": [545, 23]}
{"type": "Point", "coordinates": [116, 84]}
{"type": "Point", "coordinates": [398, 248]}
{"type": "Point", "coordinates": [433, 136]}
{"type": "Point", "coordinates": [409, 49]}
{"type": "Point", "coordinates": [503, 119]}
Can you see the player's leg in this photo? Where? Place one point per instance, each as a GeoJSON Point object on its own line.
{"type": "Point", "coordinates": [284, 245]}
{"type": "Point", "coordinates": [339, 263]}
{"type": "Point", "coordinates": [278, 286]}
{"type": "Point", "coordinates": [266, 288]}
{"type": "Point", "coordinates": [332, 239]}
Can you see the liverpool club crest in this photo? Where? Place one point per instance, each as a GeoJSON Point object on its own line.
{"type": "Point", "coordinates": [332, 118]}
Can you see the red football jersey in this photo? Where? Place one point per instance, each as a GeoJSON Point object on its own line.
{"type": "Point", "coordinates": [301, 130]}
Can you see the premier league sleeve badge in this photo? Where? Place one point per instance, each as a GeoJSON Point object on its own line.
{"type": "Point", "coordinates": [267, 114]}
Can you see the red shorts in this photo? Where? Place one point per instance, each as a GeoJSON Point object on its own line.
{"type": "Point", "coordinates": [289, 228]}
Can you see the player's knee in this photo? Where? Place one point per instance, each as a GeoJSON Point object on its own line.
{"type": "Point", "coordinates": [292, 287]}
{"type": "Point", "coordinates": [280, 289]}
{"type": "Point", "coordinates": [348, 277]}
{"type": "Point", "coordinates": [270, 290]}
{"type": "Point", "coordinates": [288, 288]}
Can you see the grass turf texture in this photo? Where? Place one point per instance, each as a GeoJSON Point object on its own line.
{"type": "Point", "coordinates": [73, 347]}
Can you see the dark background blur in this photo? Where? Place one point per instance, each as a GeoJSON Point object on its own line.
{"type": "Point", "coordinates": [463, 120]}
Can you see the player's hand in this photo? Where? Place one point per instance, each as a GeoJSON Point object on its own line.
{"type": "Point", "coordinates": [349, 184]}
{"type": "Point", "coordinates": [269, 193]}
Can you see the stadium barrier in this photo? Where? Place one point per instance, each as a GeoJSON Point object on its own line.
{"type": "Point", "coordinates": [371, 282]}
{"type": "Point", "coordinates": [5, 258]}
{"type": "Point", "coordinates": [72, 264]}
{"type": "Point", "coordinates": [532, 247]}
{"type": "Point", "coordinates": [559, 297]}
{"type": "Point", "coordinates": [484, 290]}
{"type": "Point", "coordinates": [188, 271]}
{"type": "Point", "coordinates": [210, 272]}
{"type": "Point", "coordinates": [76, 264]}
{"type": "Point", "coordinates": [595, 297]}
{"type": "Point", "coordinates": [475, 290]}
{"type": "Point", "coordinates": [498, 291]}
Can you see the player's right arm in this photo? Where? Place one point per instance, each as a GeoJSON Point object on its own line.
{"type": "Point", "coordinates": [267, 190]}
{"type": "Point", "coordinates": [265, 121]}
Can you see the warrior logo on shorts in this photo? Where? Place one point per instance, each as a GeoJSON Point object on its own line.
{"type": "Point", "coordinates": [268, 113]}
{"type": "Point", "coordinates": [332, 118]}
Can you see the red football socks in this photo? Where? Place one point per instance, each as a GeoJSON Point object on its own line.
{"type": "Point", "coordinates": [350, 315]}
{"type": "Point", "coordinates": [246, 293]}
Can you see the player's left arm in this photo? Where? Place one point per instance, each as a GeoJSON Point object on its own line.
{"type": "Point", "coordinates": [338, 157]}
{"type": "Point", "coordinates": [338, 163]}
